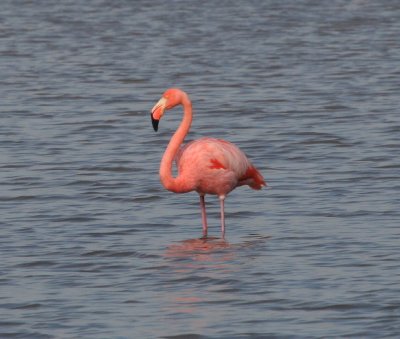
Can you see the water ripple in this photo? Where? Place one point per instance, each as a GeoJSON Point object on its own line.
{"type": "Point", "coordinates": [91, 244]}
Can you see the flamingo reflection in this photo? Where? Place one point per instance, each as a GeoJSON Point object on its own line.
{"type": "Point", "coordinates": [202, 249]}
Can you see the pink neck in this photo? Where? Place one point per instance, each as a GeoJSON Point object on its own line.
{"type": "Point", "coordinates": [169, 182]}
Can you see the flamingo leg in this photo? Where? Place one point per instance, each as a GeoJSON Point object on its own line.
{"type": "Point", "coordinates": [203, 215]}
{"type": "Point", "coordinates": [221, 201]}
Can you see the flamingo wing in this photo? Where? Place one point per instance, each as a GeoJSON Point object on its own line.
{"type": "Point", "coordinates": [216, 166]}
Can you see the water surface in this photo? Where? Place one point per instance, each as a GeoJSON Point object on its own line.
{"type": "Point", "coordinates": [91, 244]}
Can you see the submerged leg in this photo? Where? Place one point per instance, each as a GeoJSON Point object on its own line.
{"type": "Point", "coordinates": [221, 201]}
{"type": "Point", "coordinates": [203, 215]}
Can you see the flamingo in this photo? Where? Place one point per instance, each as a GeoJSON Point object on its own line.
{"type": "Point", "coordinates": [206, 165]}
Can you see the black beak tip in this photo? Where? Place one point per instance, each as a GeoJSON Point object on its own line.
{"type": "Point", "coordinates": [154, 122]}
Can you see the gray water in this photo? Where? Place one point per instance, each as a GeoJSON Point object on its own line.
{"type": "Point", "coordinates": [91, 244]}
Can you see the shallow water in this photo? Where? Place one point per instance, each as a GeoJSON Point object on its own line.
{"type": "Point", "coordinates": [91, 244]}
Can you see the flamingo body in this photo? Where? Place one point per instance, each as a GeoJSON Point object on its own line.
{"type": "Point", "coordinates": [206, 165]}
{"type": "Point", "coordinates": [215, 166]}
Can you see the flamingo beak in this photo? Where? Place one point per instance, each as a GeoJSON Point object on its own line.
{"type": "Point", "coordinates": [154, 122]}
{"type": "Point", "coordinates": [157, 112]}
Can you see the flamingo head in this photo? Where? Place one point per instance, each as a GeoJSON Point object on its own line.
{"type": "Point", "coordinates": [170, 99]}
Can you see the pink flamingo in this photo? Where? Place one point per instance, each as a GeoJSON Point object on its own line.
{"type": "Point", "coordinates": [206, 165]}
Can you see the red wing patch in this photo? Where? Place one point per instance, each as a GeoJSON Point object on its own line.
{"type": "Point", "coordinates": [215, 164]}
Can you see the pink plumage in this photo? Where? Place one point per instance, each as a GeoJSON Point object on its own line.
{"type": "Point", "coordinates": [206, 165]}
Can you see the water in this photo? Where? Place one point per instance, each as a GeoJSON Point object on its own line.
{"type": "Point", "coordinates": [92, 246]}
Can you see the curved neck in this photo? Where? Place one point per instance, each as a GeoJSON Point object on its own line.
{"type": "Point", "coordinates": [169, 182]}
